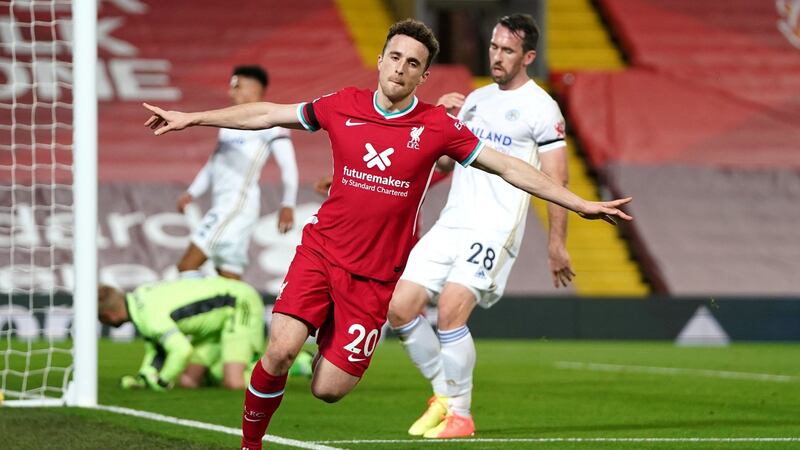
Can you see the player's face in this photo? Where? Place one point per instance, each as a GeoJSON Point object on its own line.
{"type": "Point", "coordinates": [244, 90]}
{"type": "Point", "coordinates": [507, 59]}
{"type": "Point", "coordinates": [401, 68]}
{"type": "Point", "coordinates": [110, 318]}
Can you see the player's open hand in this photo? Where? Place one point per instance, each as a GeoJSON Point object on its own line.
{"type": "Point", "coordinates": [183, 200]}
{"type": "Point", "coordinates": [560, 266]}
{"type": "Point", "coordinates": [607, 211]}
{"type": "Point", "coordinates": [285, 219]}
{"type": "Point", "coordinates": [165, 121]}
{"type": "Point", "coordinates": [451, 101]}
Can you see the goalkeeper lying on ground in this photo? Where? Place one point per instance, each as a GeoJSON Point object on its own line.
{"type": "Point", "coordinates": [206, 331]}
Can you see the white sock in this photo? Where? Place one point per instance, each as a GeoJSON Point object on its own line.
{"type": "Point", "coordinates": [458, 362]}
{"type": "Point", "coordinates": [190, 274]}
{"type": "Point", "coordinates": [422, 347]}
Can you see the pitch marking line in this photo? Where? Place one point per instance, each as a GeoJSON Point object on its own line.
{"type": "Point", "coordinates": [211, 427]}
{"type": "Point", "coordinates": [551, 440]}
{"type": "Point", "coordinates": [675, 371]}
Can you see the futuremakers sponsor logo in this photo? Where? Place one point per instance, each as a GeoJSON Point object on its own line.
{"type": "Point", "coordinates": [379, 179]}
{"type": "Point", "coordinates": [387, 185]}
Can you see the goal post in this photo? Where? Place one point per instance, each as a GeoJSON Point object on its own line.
{"type": "Point", "coordinates": [48, 202]}
{"type": "Point", "coordinates": [84, 328]}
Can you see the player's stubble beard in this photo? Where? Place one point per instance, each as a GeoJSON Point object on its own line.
{"type": "Point", "coordinates": [398, 92]}
{"type": "Point", "coordinates": [505, 76]}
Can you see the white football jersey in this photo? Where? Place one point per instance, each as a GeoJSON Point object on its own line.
{"type": "Point", "coordinates": [523, 123]}
{"type": "Point", "coordinates": [234, 169]}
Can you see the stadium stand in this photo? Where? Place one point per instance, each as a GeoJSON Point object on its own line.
{"type": "Point", "coordinates": [577, 38]}
{"type": "Point", "coordinates": [702, 130]}
{"type": "Point", "coordinates": [577, 41]}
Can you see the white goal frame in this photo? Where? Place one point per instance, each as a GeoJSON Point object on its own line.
{"type": "Point", "coordinates": [83, 391]}
{"type": "Point", "coordinates": [82, 388]}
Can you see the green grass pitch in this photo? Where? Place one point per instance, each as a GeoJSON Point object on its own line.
{"type": "Point", "coordinates": [530, 390]}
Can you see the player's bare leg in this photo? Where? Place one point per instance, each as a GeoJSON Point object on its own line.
{"type": "Point", "coordinates": [286, 338]}
{"type": "Point", "coordinates": [456, 303]}
{"type": "Point", "coordinates": [192, 376]}
{"type": "Point", "coordinates": [330, 383]}
{"type": "Point", "coordinates": [268, 380]}
{"type": "Point", "coordinates": [228, 274]}
{"type": "Point", "coordinates": [422, 345]}
{"type": "Point", "coordinates": [408, 301]}
{"type": "Point", "coordinates": [190, 263]}
{"type": "Point", "coordinates": [233, 375]}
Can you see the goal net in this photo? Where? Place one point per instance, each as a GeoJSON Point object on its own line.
{"type": "Point", "coordinates": [47, 202]}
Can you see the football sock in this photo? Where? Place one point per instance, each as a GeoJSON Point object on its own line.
{"type": "Point", "coordinates": [422, 346]}
{"type": "Point", "coordinates": [458, 362]}
{"type": "Point", "coordinates": [261, 399]}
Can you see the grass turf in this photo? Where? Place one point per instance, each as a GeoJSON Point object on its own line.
{"type": "Point", "coordinates": [520, 392]}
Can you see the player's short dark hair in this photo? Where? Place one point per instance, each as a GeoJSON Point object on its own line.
{"type": "Point", "coordinates": [417, 31]}
{"type": "Point", "coordinates": [255, 72]}
{"type": "Point", "coordinates": [524, 27]}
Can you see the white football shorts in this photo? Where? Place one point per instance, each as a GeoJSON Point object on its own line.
{"type": "Point", "coordinates": [477, 260]}
{"type": "Point", "coordinates": [224, 236]}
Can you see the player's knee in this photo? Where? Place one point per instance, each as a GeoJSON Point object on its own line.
{"type": "Point", "coordinates": [278, 359]}
{"type": "Point", "coordinates": [184, 266]}
{"type": "Point", "coordinates": [233, 384]}
{"type": "Point", "coordinates": [230, 275]}
{"type": "Point", "coordinates": [408, 301]}
{"type": "Point", "coordinates": [327, 394]}
{"type": "Point", "coordinates": [401, 312]}
{"type": "Point", "coordinates": [399, 316]}
{"type": "Point", "coordinates": [188, 382]}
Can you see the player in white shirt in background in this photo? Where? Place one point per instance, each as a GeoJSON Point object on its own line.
{"type": "Point", "coordinates": [465, 259]}
{"type": "Point", "coordinates": [233, 172]}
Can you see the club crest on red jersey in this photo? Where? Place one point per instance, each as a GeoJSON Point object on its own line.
{"type": "Point", "coordinates": [415, 135]}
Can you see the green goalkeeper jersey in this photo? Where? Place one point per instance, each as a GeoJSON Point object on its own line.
{"type": "Point", "coordinates": [172, 315]}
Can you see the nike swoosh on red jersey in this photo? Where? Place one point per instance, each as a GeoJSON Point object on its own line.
{"type": "Point", "coordinates": [352, 359]}
{"type": "Point", "coordinates": [350, 123]}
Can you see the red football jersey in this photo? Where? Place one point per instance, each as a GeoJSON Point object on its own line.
{"type": "Point", "coordinates": [382, 165]}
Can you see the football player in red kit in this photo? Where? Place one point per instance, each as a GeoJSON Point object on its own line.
{"type": "Point", "coordinates": [385, 144]}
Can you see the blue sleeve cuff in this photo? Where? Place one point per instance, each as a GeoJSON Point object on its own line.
{"type": "Point", "coordinates": [472, 156]}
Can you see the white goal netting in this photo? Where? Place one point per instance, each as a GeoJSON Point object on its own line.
{"type": "Point", "coordinates": [36, 198]}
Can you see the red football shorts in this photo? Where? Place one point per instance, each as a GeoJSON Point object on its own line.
{"type": "Point", "coordinates": [347, 310]}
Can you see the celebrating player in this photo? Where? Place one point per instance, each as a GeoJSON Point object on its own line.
{"type": "Point", "coordinates": [385, 144]}
{"type": "Point", "coordinates": [465, 259]}
{"type": "Point", "coordinates": [232, 172]}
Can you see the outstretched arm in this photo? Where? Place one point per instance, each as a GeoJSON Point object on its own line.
{"type": "Point", "coordinates": [247, 116]}
{"type": "Point", "coordinates": [526, 177]}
